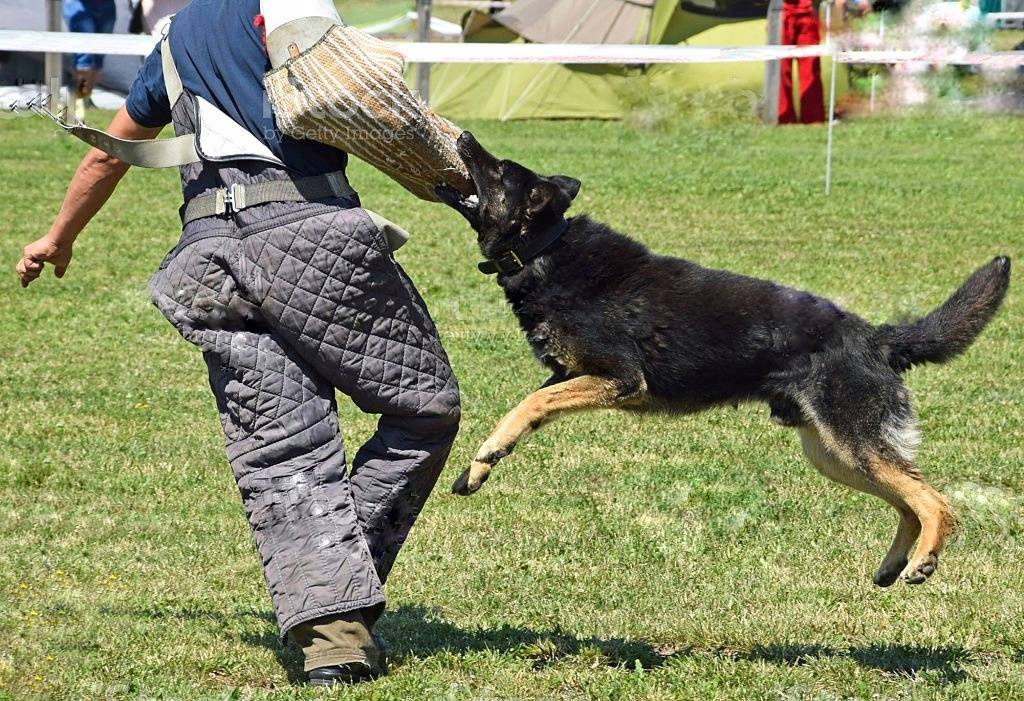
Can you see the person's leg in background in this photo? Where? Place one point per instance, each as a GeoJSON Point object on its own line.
{"type": "Point", "coordinates": [787, 110]}
{"type": "Point", "coordinates": [88, 17]}
{"type": "Point", "coordinates": [812, 93]}
{"type": "Point", "coordinates": [79, 19]}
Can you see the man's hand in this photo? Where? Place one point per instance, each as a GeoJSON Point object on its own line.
{"type": "Point", "coordinates": [93, 183]}
{"type": "Point", "coordinates": [37, 253]}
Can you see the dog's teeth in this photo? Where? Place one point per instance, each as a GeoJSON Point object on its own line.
{"type": "Point", "coordinates": [473, 200]}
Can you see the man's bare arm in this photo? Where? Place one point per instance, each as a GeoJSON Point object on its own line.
{"type": "Point", "coordinates": [92, 185]}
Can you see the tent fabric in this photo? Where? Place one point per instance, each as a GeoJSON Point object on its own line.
{"type": "Point", "coordinates": [580, 21]}
{"type": "Point", "coordinates": [523, 91]}
{"type": "Point", "coordinates": [552, 91]}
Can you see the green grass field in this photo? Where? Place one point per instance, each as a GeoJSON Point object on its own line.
{"type": "Point", "coordinates": [361, 12]}
{"type": "Point", "coordinates": [614, 556]}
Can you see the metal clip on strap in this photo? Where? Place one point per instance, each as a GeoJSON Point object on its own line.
{"type": "Point", "coordinates": [238, 197]}
{"type": "Point", "coordinates": [146, 153]}
{"type": "Point", "coordinates": [231, 199]}
{"type": "Point", "coordinates": [516, 259]}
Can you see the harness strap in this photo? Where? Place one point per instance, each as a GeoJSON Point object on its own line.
{"type": "Point", "coordinates": [237, 197]}
{"type": "Point", "coordinates": [172, 81]}
{"type": "Point", "coordinates": [146, 153]}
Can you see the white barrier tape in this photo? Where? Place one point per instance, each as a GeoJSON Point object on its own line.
{"type": "Point", "coordinates": [473, 4]}
{"type": "Point", "coordinates": [440, 26]}
{"type": "Point", "coordinates": [127, 44]}
{"type": "Point", "coordinates": [628, 54]}
{"type": "Point", "coordinates": [997, 59]}
{"type": "Point", "coordinates": [1004, 16]}
{"type": "Point", "coordinates": [71, 43]}
{"type": "Point", "coordinates": [133, 45]}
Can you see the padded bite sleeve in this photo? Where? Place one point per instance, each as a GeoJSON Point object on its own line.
{"type": "Point", "coordinates": [348, 91]}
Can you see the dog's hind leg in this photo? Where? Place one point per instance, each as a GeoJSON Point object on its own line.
{"type": "Point", "coordinates": [931, 508]}
{"type": "Point", "coordinates": [907, 533]}
{"type": "Point", "coordinates": [923, 512]}
{"type": "Point", "coordinates": [575, 394]}
{"type": "Point", "coordinates": [839, 466]}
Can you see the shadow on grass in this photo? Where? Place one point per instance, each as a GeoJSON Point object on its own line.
{"type": "Point", "coordinates": [904, 660]}
{"type": "Point", "coordinates": [415, 631]}
{"type": "Point", "coordinates": [420, 632]}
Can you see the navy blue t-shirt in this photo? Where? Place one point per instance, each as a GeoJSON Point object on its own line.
{"type": "Point", "coordinates": [220, 57]}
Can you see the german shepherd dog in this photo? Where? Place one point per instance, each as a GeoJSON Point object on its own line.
{"type": "Point", "coordinates": [621, 327]}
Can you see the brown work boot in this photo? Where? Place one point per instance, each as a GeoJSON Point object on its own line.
{"type": "Point", "coordinates": [339, 649]}
{"type": "Point", "coordinates": [85, 81]}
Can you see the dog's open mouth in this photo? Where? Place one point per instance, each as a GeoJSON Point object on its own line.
{"type": "Point", "coordinates": [477, 160]}
{"type": "Point", "coordinates": [467, 205]}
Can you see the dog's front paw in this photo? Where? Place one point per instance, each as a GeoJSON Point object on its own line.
{"type": "Point", "coordinates": [470, 481]}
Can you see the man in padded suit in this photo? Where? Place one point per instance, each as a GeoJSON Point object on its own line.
{"type": "Point", "coordinates": [288, 301]}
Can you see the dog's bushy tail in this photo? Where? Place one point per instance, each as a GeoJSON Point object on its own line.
{"type": "Point", "coordinates": [951, 329]}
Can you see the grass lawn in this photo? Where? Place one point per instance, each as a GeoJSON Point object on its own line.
{"type": "Point", "coordinates": [613, 556]}
{"type": "Point", "coordinates": [361, 12]}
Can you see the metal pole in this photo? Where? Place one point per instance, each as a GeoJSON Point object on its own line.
{"type": "Point", "coordinates": [831, 103]}
{"type": "Point", "coordinates": [423, 12]}
{"type": "Point", "coordinates": [874, 69]}
{"type": "Point", "coordinates": [773, 69]}
{"type": "Point", "coordinates": [53, 70]}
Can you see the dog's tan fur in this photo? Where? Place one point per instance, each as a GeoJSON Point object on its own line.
{"type": "Point", "coordinates": [923, 512]}
{"type": "Point", "coordinates": [925, 517]}
{"type": "Point", "coordinates": [544, 405]}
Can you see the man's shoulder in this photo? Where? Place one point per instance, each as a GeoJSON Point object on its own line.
{"type": "Point", "coordinates": [211, 14]}
{"type": "Point", "coordinates": [214, 31]}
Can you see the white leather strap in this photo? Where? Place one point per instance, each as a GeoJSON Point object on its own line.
{"type": "Point", "coordinates": [145, 153]}
{"type": "Point", "coordinates": [172, 81]}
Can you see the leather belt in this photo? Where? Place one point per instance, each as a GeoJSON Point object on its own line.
{"type": "Point", "coordinates": [237, 197]}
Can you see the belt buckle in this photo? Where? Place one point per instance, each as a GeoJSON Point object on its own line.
{"type": "Point", "coordinates": [231, 199]}
{"type": "Point", "coordinates": [510, 263]}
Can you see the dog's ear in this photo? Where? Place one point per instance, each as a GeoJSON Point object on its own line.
{"type": "Point", "coordinates": [557, 192]}
{"type": "Point", "coordinates": [542, 194]}
{"type": "Point", "coordinates": [570, 186]}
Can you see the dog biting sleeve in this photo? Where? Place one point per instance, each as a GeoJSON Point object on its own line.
{"type": "Point", "coordinates": [348, 91]}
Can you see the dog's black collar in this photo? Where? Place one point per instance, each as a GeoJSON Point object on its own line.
{"type": "Point", "coordinates": [515, 259]}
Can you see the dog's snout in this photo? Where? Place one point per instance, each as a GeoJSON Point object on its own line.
{"type": "Point", "coordinates": [466, 144]}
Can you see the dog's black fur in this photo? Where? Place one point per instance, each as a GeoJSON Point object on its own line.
{"type": "Point", "coordinates": [673, 335]}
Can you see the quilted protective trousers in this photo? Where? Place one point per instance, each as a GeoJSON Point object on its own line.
{"type": "Point", "coordinates": [290, 302]}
